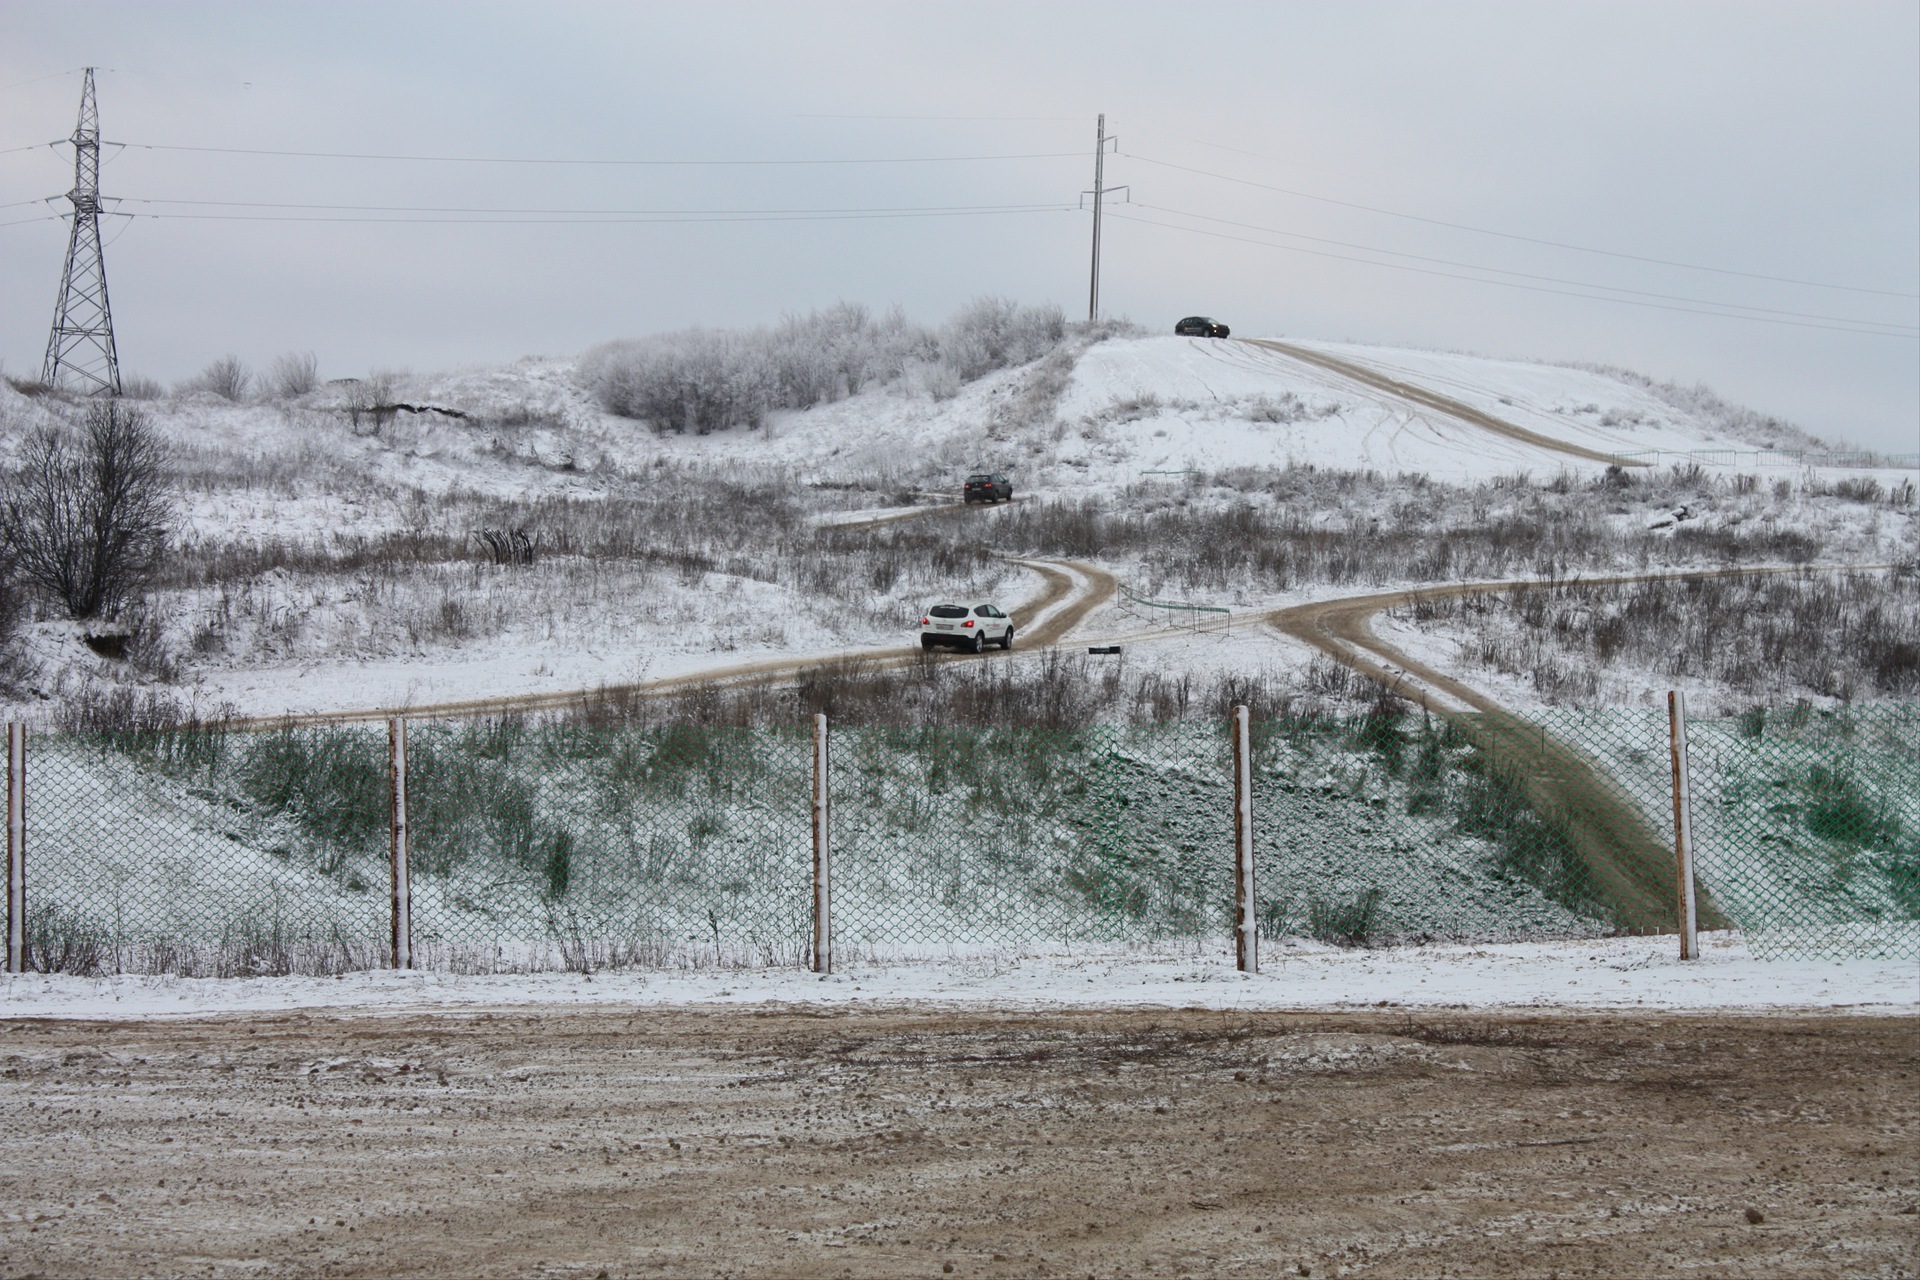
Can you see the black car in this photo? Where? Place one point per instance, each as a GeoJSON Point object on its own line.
{"type": "Point", "coordinates": [1201, 327]}
{"type": "Point", "coordinates": [983, 486]}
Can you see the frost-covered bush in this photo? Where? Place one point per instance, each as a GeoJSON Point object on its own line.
{"type": "Point", "coordinates": [996, 333]}
{"type": "Point", "coordinates": [228, 377]}
{"type": "Point", "coordinates": [294, 374]}
{"type": "Point", "coordinates": [704, 380]}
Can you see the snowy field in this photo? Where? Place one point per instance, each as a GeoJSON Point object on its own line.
{"type": "Point", "coordinates": [1596, 974]}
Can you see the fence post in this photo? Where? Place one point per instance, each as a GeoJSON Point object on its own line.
{"type": "Point", "coordinates": [822, 862]}
{"type": "Point", "coordinates": [1683, 825]}
{"type": "Point", "coordinates": [402, 870]}
{"type": "Point", "coordinates": [1246, 920]}
{"type": "Point", "coordinates": [16, 847]}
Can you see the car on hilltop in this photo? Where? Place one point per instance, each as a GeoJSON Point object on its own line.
{"type": "Point", "coordinates": [1201, 327]}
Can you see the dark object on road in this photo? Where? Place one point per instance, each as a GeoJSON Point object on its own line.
{"type": "Point", "coordinates": [1103, 648]}
{"type": "Point", "coordinates": [1201, 327]}
{"type": "Point", "coordinates": [983, 486]}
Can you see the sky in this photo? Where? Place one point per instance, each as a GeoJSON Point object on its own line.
{"type": "Point", "coordinates": [1718, 193]}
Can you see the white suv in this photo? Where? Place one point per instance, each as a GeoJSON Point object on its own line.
{"type": "Point", "coordinates": [966, 626]}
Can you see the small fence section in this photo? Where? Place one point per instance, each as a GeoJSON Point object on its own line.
{"type": "Point", "coordinates": [1175, 613]}
{"type": "Point", "coordinates": [512, 845]}
{"type": "Point", "coordinates": [1776, 458]}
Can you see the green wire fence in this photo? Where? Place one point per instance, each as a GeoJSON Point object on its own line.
{"type": "Point", "coordinates": [516, 844]}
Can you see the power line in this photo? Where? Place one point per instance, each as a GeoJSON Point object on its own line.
{"type": "Point", "coordinates": [591, 222]}
{"type": "Point", "coordinates": [1508, 235]}
{"type": "Point", "coordinates": [1508, 284]}
{"type": "Point", "coordinates": [820, 115]}
{"type": "Point", "coordinates": [428, 208]}
{"type": "Point", "coordinates": [1523, 275]}
{"type": "Point", "coordinates": [592, 161]}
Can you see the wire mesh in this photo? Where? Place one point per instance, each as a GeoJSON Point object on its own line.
{"type": "Point", "coordinates": [1808, 827]}
{"type": "Point", "coordinates": [548, 845]}
{"type": "Point", "coordinates": [1389, 828]}
{"type": "Point", "coordinates": [207, 852]}
{"type": "Point", "coordinates": [949, 837]}
{"type": "Point", "coordinates": [536, 846]}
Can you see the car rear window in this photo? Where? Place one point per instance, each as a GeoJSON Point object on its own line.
{"type": "Point", "coordinates": [948, 611]}
{"type": "Point", "coordinates": [979, 479]}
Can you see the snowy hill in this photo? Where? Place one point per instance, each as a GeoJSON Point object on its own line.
{"type": "Point", "coordinates": [328, 554]}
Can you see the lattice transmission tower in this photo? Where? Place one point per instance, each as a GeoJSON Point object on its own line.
{"type": "Point", "coordinates": [80, 351]}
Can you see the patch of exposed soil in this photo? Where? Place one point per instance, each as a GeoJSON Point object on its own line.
{"type": "Point", "coordinates": [910, 1142]}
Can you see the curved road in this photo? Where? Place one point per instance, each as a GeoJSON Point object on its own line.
{"type": "Point", "coordinates": [1039, 624]}
{"type": "Point", "coordinates": [1631, 863]}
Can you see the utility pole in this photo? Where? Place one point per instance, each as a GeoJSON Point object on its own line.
{"type": "Point", "coordinates": [80, 351]}
{"type": "Point", "coordinates": [1100, 189]}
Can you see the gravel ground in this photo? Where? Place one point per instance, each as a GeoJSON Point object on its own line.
{"type": "Point", "coordinates": [908, 1140]}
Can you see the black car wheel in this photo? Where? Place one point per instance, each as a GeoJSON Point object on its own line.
{"type": "Point", "coordinates": [1006, 641]}
{"type": "Point", "coordinates": [979, 643]}
{"type": "Point", "coordinates": [926, 642]}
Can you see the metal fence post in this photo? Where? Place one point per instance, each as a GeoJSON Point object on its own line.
{"type": "Point", "coordinates": [822, 863]}
{"type": "Point", "coordinates": [402, 871]}
{"type": "Point", "coordinates": [1683, 825]}
{"type": "Point", "coordinates": [16, 847]}
{"type": "Point", "coordinates": [1246, 921]}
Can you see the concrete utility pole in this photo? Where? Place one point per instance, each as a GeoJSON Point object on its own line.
{"type": "Point", "coordinates": [80, 351]}
{"type": "Point", "coordinates": [1100, 189]}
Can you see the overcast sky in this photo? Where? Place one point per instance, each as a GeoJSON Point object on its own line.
{"type": "Point", "coordinates": [1758, 140]}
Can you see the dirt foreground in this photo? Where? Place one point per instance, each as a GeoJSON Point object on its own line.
{"type": "Point", "coordinates": [860, 1142]}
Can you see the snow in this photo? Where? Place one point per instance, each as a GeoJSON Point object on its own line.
{"type": "Point", "coordinates": [1642, 973]}
{"type": "Point", "coordinates": [299, 474]}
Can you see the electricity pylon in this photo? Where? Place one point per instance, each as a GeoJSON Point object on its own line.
{"type": "Point", "coordinates": [80, 351]}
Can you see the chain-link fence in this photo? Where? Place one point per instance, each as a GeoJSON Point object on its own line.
{"type": "Point", "coordinates": [541, 845]}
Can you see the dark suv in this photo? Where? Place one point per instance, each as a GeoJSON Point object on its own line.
{"type": "Point", "coordinates": [1201, 327]}
{"type": "Point", "coordinates": [985, 487]}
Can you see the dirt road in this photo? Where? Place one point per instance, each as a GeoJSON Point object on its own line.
{"type": "Point", "coordinates": [1040, 623]}
{"type": "Point", "coordinates": [1632, 864]}
{"type": "Point", "coordinates": [789, 1142]}
{"type": "Point", "coordinates": [1426, 399]}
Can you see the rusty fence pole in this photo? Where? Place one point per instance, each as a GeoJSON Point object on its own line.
{"type": "Point", "coordinates": [1683, 825]}
{"type": "Point", "coordinates": [1246, 920]}
{"type": "Point", "coordinates": [16, 847]}
{"type": "Point", "coordinates": [822, 861]}
{"type": "Point", "coordinates": [402, 870]}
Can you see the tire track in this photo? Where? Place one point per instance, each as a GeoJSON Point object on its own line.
{"type": "Point", "coordinates": [1433, 400]}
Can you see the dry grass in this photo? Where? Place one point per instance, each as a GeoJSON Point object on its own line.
{"type": "Point", "coordinates": [1772, 638]}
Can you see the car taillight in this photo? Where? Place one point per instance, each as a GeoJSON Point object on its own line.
{"type": "Point", "coordinates": [925, 623]}
{"type": "Point", "coordinates": [967, 623]}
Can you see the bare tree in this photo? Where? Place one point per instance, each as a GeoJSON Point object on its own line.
{"type": "Point", "coordinates": [87, 517]}
{"type": "Point", "coordinates": [228, 377]}
{"type": "Point", "coordinates": [294, 374]}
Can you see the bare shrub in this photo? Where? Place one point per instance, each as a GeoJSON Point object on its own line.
{"type": "Point", "coordinates": [1846, 635]}
{"type": "Point", "coordinates": [228, 377]}
{"type": "Point", "coordinates": [135, 387]}
{"type": "Point", "coordinates": [294, 374]}
{"type": "Point", "coordinates": [87, 518]}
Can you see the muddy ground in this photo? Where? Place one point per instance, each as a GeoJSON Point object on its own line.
{"type": "Point", "coordinates": [914, 1142]}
